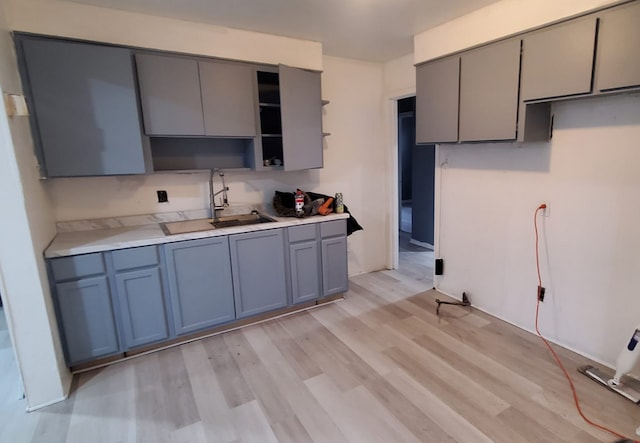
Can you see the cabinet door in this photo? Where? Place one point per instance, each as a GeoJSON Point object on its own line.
{"type": "Point", "coordinates": [84, 106]}
{"type": "Point", "coordinates": [489, 79]}
{"type": "Point", "coordinates": [618, 60]}
{"type": "Point", "coordinates": [170, 95]}
{"type": "Point", "coordinates": [200, 285]}
{"type": "Point", "coordinates": [301, 111]}
{"type": "Point", "coordinates": [142, 307]}
{"type": "Point", "coordinates": [437, 93]}
{"type": "Point", "coordinates": [86, 318]}
{"type": "Point", "coordinates": [258, 263]}
{"type": "Point", "coordinates": [227, 99]}
{"type": "Point", "coordinates": [559, 61]}
{"type": "Point", "coordinates": [335, 278]}
{"type": "Point", "coordinates": [305, 271]}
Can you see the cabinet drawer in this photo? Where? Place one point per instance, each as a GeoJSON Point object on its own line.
{"type": "Point", "coordinates": [135, 257]}
{"type": "Point", "coordinates": [303, 232]}
{"type": "Point", "coordinates": [77, 266]}
{"type": "Point", "coordinates": [333, 228]}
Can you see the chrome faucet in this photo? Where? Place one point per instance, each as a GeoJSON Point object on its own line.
{"type": "Point", "coordinates": [224, 201]}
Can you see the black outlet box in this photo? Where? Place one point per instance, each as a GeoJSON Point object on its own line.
{"type": "Point", "coordinates": [439, 266]}
{"type": "Point", "coordinates": [163, 197]}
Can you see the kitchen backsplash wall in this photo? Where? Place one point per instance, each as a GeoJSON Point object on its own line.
{"type": "Point", "coordinates": [99, 197]}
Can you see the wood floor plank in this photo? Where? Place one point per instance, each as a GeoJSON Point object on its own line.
{"type": "Point", "coordinates": [208, 395]}
{"type": "Point", "coordinates": [290, 430]}
{"type": "Point", "coordinates": [234, 387]}
{"type": "Point", "coordinates": [406, 412]}
{"type": "Point", "coordinates": [304, 366]}
{"type": "Point", "coordinates": [252, 424]}
{"type": "Point", "coordinates": [316, 422]}
{"type": "Point", "coordinates": [436, 409]}
{"type": "Point", "coordinates": [356, 413]}
{"type": "Point", "coordinates": [179, 404]}
{"type": "Point", "coordinates": [271, 399]}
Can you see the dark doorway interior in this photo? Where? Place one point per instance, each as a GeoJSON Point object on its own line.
{"type": "Point", "coordinates": [416, 180]}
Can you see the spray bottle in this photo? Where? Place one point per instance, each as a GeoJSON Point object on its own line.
{"type": "Point", "coordinates": [299, 199]}
{"type": "Point", "coordinates": [628, 358]}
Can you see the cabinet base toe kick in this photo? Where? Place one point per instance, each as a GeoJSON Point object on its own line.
{"type": "Point", "coordinates": [132, 353]}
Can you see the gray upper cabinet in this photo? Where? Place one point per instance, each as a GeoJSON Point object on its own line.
{"type": "Point", "coordinates": [190, 97]}
{"type": "Point", "coordinates": [84, 108]}
{"type": "Point", "coordinates": [227, 99]}
{"type": "Point", "coordinates": [200, 284]}
{"type": "Point", "coordinates": [437, 94]}
{"type": "Point", "coordinates": [86, 319]}
{"type": "Point", "coordinates": [558, 61]}
{"type": "Point", "coordinates": [618, 59]}
{"type": "Point", "coordinates": [258, 262]}
{"type": "Point", "coordinates": [301, 108]}
{"type": "Point", "coordinates": [170, 95]}
{"type": "Point", "coordinates": [489, 80]}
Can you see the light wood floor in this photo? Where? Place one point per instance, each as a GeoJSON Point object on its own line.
{"type": "Point", "coordinates": [376, 367]}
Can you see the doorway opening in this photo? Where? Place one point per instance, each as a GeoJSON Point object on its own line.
{"type": "Point", "coordinates": [416, 190]}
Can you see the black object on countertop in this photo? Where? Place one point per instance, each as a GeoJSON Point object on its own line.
{"type": "Point", "coordinates": [284, 203]}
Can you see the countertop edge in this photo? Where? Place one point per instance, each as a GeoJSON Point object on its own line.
{"type": "Point", "coordinates": [100, 240]}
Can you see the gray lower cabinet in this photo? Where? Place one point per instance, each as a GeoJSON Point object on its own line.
{"type": "Point", "coordinates": [86, 319]}
{"type": "Point", "coordinates": [335, 276]}
{"type": "Point", "coordinates": [489, 81]}
{"type": "Point", "coordinates": [304, 259]}
{"type": "Point", "coordinates": [558, 62]}
{"type": "Point", "coordinates": [200, 283]}
{"type": "Point", "coordinates": [258, 262]}
{"type": "Point", "coordinates": [618, 59]}
{"type": "Point", "coordinates": [437, 94]}
{"type": "Point", "coordinates": [84, 108]}
{"type": "Point", "coordinates": [142, 307]}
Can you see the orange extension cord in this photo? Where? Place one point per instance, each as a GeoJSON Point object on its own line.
{"type": "Point", "coordinates": [555, 356]}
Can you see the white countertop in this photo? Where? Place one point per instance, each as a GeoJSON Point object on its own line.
{"type": "Point", "coordinates": [98, 240]}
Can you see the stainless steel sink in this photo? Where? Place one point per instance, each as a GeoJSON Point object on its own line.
{"type": "Point", "coordinates": [206, 224]}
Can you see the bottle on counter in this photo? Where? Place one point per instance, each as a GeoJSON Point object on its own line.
{"type": "Point", "coordinates": [339, 204]}
{"type": "Point", "coordinates": [299, 203]}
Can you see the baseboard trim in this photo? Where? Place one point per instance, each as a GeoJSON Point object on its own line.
{"type": "Point", "coordinates": [44, 405]}
{"type": "Point", "coordinates": [421, 244]}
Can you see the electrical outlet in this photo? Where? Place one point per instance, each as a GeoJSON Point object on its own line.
{"type": "Point", "coordinates": [546, 212]}
{"type": "Point", "coordinates": [163, 197]}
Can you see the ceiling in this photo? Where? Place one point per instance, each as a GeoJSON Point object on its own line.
{"type": "Point", "coordinates": [374, 30]}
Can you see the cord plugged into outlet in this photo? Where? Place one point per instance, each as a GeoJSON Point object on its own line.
{"type": "Point", "coordinates": [545, 209]}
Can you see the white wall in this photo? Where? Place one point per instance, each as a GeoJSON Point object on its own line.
{"type": "Point", "coordinates": [495, 21]}
{"type": "Point", "coordinates": [75, 20]}
{"type": "Point", "coordinates": [27, 228]}
{"type": "Point", "coordinates": [587, 174]}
